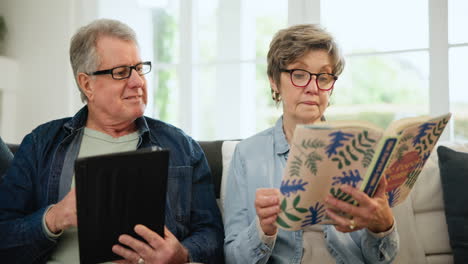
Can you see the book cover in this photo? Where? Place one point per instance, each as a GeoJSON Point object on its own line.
{"type": "Point", "coordinates": [325, 156]}
{"type": "Point", "coordinates": [114, 192]}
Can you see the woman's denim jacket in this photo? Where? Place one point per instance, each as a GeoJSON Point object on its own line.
{"type": "Point", "coordinates": [31, 184]}
{"type": "Point", "coordinates": [258, 162]}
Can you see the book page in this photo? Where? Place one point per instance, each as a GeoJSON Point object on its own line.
{"type": "Point", "coordinates": [345, 124]}
{"type": "Point", "coordinates": [397, 126]}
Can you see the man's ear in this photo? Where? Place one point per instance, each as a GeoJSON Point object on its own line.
{"type": "Point", "coordinates": [84, 81]}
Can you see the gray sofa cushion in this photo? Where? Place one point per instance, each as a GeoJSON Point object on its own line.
{"type": "Point", "coordinates": [212, 151]}
{"type": "Point", "coordinates": [214, 156]}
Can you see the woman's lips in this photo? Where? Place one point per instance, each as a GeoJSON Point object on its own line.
{"type": "Point", "coordinates": [310, 103]}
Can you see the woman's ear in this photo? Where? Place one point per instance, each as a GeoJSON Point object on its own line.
{"type": "Point", "coordinates": [84, 81]}
{"type": "Point", "coordinates": [275, 95]}
{"type": "Point", "coordinates": [273, 86]}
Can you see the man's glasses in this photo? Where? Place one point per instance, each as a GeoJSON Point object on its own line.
{"type": "Point", "coordinates": [301, 78]}
{"type": "Point", "coordinates": [124, 72]}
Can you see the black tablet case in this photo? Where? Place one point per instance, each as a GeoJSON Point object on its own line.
{"type": "Point", "coordinates": [114, 192]}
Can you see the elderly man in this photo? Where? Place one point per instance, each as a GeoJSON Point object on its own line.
{"type": "Point", "coordinates": [37, 198]}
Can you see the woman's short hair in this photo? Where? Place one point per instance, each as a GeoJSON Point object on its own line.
{"type": "Point", "coordinates": [83, 53]}
{"type": "Point", "coordinates": [290, 44]}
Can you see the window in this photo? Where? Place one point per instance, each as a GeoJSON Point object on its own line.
{"type": "Point", "coordinates": [458, 63]}
{"type": "Point", "coordinates": [209, 59]}
{"type": "Point", "coordinates": [387, 59]}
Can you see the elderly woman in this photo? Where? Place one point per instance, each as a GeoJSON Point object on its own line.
{"type": "Point", "coordinates": [303, 65]}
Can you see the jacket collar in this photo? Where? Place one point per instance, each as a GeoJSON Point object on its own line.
{"type": "Point", "coordinates": [78, 121]}
{"type": "Point", "coordinates": [280, 143]}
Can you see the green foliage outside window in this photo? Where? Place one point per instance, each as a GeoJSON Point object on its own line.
{"type": "Point", "coordinates": [381, 80]}
{"type": "Point", "coordinates": [164, 38]}
{"type": "Point", "coordinates": [390, 81]}
{"type": "Point", "coordinates": [3, 31]}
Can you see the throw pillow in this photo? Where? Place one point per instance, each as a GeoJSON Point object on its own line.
{"type": "Point", "coordinates": [227, 152]}
{"type": "Point", "coordinates": [453, 167]}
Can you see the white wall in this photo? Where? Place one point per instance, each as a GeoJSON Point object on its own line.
{"type": "Point", "coordinates": [38, 40]}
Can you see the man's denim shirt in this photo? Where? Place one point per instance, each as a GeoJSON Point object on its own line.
{"type": "Point", "coordinates": [258, 162]}
{"type": "Point", "coordinates": [32, 182]}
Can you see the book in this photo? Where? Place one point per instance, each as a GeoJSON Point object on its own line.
{"type": "Point", "coordinates": [326, 155]}
{"type": "Point", "coordinates": [115, 192]}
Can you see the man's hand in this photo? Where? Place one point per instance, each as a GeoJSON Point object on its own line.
{"type": "Point", "coordinates": [62, 215]}
{"type": "Point", "coordinates": [167, 250]}
{"type": "Point", "coordinates": [267, 205]}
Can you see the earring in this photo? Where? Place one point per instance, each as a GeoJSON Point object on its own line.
{"type": "Point", "coordinates": [276, 96]}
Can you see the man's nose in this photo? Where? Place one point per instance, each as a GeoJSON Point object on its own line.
{"type": "Point", "coordinates": [135, 80]}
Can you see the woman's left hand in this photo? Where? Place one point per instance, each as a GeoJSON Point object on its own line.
{"type": "Point", "coordinates": [372, 213]}
{"type": "Point", "coordinates": [157, 249]}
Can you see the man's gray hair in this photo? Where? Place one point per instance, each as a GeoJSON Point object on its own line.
{"type": "Point", "coordinates": [83, 54]}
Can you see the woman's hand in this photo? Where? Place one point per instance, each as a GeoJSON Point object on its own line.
{"type": "Point", "coordinates": [267, 206]}
{"type": "Point", "coordinates": [372, 213]}
{"type": "Point", "coordinates": [156, 249]}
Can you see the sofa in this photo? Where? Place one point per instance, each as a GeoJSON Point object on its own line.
{"type": "Point", "coordinates": [421, 219]}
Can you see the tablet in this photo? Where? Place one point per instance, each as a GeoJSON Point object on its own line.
{"type": "Point", "coordinates": [115, 192]}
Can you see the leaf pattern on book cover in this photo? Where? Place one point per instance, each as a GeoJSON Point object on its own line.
{"type": "Point", "coordinates": [367, 159]}
{"type": "Point", "coordinates": [311, 162]}
{"type": "Point", "coordinates": [367, 138]}
{"type": "Point", "coordinates": [345, 159]}
{"type": "Point", "coordinates": [401, 150]}
{"type": "Point", "coordinates": [422, 132]}
{"type": "Point", "coordinates": [340, 164]}
{"type": "Point", "coordinates": [337, 140]}
{"type": "Point", "coordinates": [393, 196]}
{"type": "Point", "coordinates": [307, 149]}
{"type": "Point", "coordinates": [282, 223]}
{"type": "Point", "coordinates": [350, 178]}
{"type": "Point", "coordinates": [350, 153]}
{"type": "Point", "coordinates": [313, 143]}
{"type": "Point", "coordinates": [292, 217]}
{"type": "Point", "coordinates": [288, 188]}
{"type": "Point", "coordinates": [412, 177]}
{"type": "Point", "coordinates": [361, 139]}
{"type": "Point", "coordinates": [406, 137]}
{"type": "Point", "coordinates": [295, 168]}
{"type": "Point", "coordinates": [316, 214]}
{"type": "Point", "coordinates": [351, 149]}
{"type": "Point", "coordinates": [283, 205]}
{"type": "Point", "coordinates": [296, 203]}
{"type": "Point", "coordinates": [339, 194]}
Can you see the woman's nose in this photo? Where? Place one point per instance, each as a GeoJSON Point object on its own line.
{"type": "Point", "coordinates": [312, 86]}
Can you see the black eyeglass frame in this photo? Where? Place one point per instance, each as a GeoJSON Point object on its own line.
{"type": "Point", "coordinates": [317, 76]}
{"type": "Point", "coordinates": [134, 67]}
